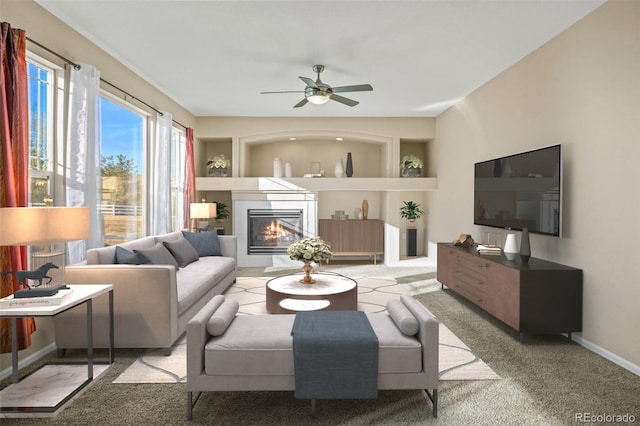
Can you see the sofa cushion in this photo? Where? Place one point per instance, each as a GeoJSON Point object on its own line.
{"type": "Point", "coordinates": [403, 318]}
{"type": "Point", "coordinates": [124, 256]}
{"type": "Point", "coordinates": [158, 255]}
{"type": "Point", "coordinates": [197, 279]}
{"type": "Point", "coordinates": [205, 243]}
{"type": "Point", "coordinates": [182, 251]}
{"type": "Point", "coordinates": [222, 317]}
{"type": "Point", "coordinates": [262, 345]}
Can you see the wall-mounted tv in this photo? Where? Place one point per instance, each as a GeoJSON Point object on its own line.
{"type": "Point", "coordinates": [520, 191]}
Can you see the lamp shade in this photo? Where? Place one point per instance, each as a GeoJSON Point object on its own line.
{"type": "Point", "coordinates": [202, 210]}
{"type": "Point", "coordinates": [43, 225]}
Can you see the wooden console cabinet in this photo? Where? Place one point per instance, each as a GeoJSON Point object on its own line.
{"type": "Point", "coordinates": [534, 297]}
{"type": "Point", "coordinates": [353, 237]}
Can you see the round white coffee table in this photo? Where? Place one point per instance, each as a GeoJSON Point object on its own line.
{"type": "Point", "coordinates": [331, 292]}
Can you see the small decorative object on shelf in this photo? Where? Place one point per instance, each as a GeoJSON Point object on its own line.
{"type": "Point", "coordinates": [511, 247]}
{"type": "Point", "coordinates": [339, 169]}
{"type": "Point", "coordinates": [365, 209]}
{"type": "Point", "coordinates": [309, 250]}
{"type": "Point", "coordinates": [218, 165]}
{"type": "Point", "coordinates": [411, 166]}
{"type": "Point", "coordinates": [288, 170]}
{"type": "Point", "coordinates": [349, 170]}
{"type": "Point", "coordinates": [525, 246]}
{"type": "Point", "coordinates": [277, 167]}
{"type": "Point", "coordinates": [464, 240]}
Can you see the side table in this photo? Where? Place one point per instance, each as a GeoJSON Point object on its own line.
{"type": "Point", "coordinates": [12, 397]}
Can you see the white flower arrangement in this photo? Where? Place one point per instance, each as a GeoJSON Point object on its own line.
{"type": "Point", "coordinates": [310, 250]}
{"type": "Point", "coordinates": [218, 162]}
{"type": "Point", "coordinates": [411, 162]}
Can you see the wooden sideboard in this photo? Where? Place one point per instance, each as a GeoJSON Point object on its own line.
{"type": "Point", "coordinates": [353, 237]}
{"type": "Point", "coordinates": [534, 297]}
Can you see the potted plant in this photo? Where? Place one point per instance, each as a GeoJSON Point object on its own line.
{"type": "Point", "coordinates": [218, 165]}
{"type": "Point", "coordinates": [411, 166]}
{"type": "Point", "coordinates": [222, 213]}
{"type": "Point", "coordinates": [411, 211]}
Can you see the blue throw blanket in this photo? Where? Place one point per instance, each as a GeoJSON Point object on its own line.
{"type": "Point", "coordinates": [335, 355]}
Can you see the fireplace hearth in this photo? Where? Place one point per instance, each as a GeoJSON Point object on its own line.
{"type": "Point", "coordinates": [271, 231]}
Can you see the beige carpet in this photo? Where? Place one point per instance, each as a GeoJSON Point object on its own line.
{"type": "Point", "coordinates": [457, 361]}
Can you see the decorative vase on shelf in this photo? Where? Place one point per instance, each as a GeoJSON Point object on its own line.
{"type": "Point", "coordinates": [349, 170]}
{"type": "Point", "coordinates": [525, 246]}
{"type": "Point", "coordinates": [307, 269]}
{"type": "Point", "coordinates": [339, 169]}
{"type": "Point", "coordinates": [511, 247]}
{"type": "Point", "coordinates": [357, 213]}
{"type": "Point", "coordinates": [219, 172]}
{"type": "Point", "coordinates": [365, 209]}
{"type": "Point", "coordinates": [277, 167]}
{"type": "Point", "coordinates": [288, 170]}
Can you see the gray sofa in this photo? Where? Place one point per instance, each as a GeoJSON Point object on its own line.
{"type": "Point", "coordinates": [255, 352]}
{"type": "Point", "coordinates": [152, 302]}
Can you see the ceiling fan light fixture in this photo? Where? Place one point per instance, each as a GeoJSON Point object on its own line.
{"type": "Point", "coordinates": [317, 95]}
{"type": "Point", "coordinates": [318, 99]}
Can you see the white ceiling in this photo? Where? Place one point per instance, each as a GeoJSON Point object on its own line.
{"type": "Point", "coordinates": [215, 57]}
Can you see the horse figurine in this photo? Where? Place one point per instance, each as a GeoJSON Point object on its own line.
{"type": "Point", "coordinates": [37, 275]}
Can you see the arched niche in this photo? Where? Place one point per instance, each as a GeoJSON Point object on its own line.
{"type": "Point", "coordinates": [372, 154]}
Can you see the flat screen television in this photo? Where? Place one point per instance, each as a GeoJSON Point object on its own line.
{"type": "Point", "coordinates": [520, 191]}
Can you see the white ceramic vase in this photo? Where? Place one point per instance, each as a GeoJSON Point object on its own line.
{"type": "Point", "coordinates": [339, 169]}
{"type": "Point", "coordinates": [288, 171]}
{"type": "Point", "coordinates": [277, 167]}
{"type": "Point", "coordinates": [511, 247]}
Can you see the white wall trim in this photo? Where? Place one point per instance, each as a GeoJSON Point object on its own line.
{"type": "Point", "coordinates": [616, 359]}
{"type": "Point", "coordinates": [29, 360]}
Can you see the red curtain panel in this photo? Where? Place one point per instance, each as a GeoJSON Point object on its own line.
{"type": "Point", "coordinates": [14, 167]}
{"type": "Point", "coordinates": [190, 179]}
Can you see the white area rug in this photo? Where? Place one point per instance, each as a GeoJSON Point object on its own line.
{"type": "Point", "coordinates": [457, 361]}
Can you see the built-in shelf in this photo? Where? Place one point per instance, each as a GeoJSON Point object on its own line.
{"type": "Point", "coordinates": [315, 184]}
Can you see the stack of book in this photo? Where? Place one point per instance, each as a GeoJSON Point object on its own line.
{"type": "Point", "coordinates": [489, 249]}
{"type": "Point", "coordinates": [31, 302]}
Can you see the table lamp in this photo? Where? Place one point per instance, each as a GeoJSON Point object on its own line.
{"type": "Point", "coordinates": [42, 227]}
{"type": "Point", "coordinates": [201, 210]}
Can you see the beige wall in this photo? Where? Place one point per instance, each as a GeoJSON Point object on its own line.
{"type": "Point", "coordinates": [47, 30]}
{"type": "Point", "coordinates": [582, 89]}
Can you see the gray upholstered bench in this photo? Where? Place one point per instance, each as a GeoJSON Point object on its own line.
{"type": "Point", "coordinates": [230, 352]}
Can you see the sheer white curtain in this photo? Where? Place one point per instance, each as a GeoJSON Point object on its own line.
{"type": "Point", "coordinates": [160, 170]}
{"type": "Point", "coordinates": [83, 178]}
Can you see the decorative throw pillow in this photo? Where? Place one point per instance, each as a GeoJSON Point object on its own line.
{"type": "Point", "coordinates": [124, 256]}
{"type": "Point", "coordinates": [159, 255]}
{"type": "Point", "coordinates": [205, 243]}
{"type": "Point", "coordinates": [222, 317]}
{"type": "Point", "coordinates": [404, 319]}
{"type": "Point", "coordinates": [183, 251]}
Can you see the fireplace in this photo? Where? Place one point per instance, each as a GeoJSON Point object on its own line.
{"type": "Point", "coordinates": [271, 231]}
{"type": "Point", "coordinates": [266, 223]}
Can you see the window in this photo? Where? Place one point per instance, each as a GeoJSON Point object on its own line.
{"type": "Point", "coordinates": [40, 87]}
{"type": "Point", "coordinates": [178, 162]}
{"type": "Point", "coordinates": [123, 135]}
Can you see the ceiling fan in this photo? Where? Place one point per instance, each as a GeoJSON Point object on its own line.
{"type": "Point", "coordinates": [320, 93]}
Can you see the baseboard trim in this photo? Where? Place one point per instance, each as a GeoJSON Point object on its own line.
{"type": "Point", "coordinates": [628, 365]}
{"type": "Point", "coordinates": [29, 360]}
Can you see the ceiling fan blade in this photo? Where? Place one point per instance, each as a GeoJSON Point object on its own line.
{"type": "Point", "coordinates": [284, 91]}
{"type": "Point", "coordinates": [356, 88]}
{"type": "Point", "coordinates": [301, 103]}
{"type": "Point", "coordinates": [309, 82]}
{"type": "Point", "coordinates": [343, 100]}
